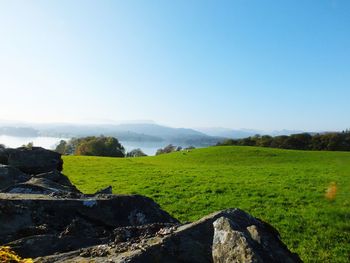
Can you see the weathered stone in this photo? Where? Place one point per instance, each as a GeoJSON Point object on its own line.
{"type": "Point", "coordinates": [10, 176]}
{"type": "Point", "coordinates": [255, 243]}
{"type": "Point", "coordinates": [4, 155]}
{"type": "Point", "coordinates": [107, 190]}
{"type": "Point", "coordinates": [193, 243]}
{"type": "Point", "coordinates": [56, 177]}
{"type": "Point", "coordinates": [21, 213]}
{"type": "Point", "coordinates": [42, 185]}
{"type": "Point", "coordinates": [35, 160]}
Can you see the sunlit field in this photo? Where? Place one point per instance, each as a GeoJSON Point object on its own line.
{"type": "Point", "coordinates": [305, 195]}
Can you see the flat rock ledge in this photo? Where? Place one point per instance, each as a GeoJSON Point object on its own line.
{"type": "Point", "coordinates": [44, 217]}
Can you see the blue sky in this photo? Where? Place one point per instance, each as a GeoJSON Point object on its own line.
{"type": "Point", "coordinates": [238, 64]}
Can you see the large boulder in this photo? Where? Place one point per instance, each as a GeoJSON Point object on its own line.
{"type": "Point", "coordinates": [55, 176]}
{"type": "Point", "coordinates": [84, 221]}
{"type": "Point", "coordinates": [258, 243]}
{"type": "Point", "coordinates": [207, 240]}
{"type": "Point", "coordinates": [41, 186]}
{"type": "Point", "coordinates": [10, 176]}
{"type": "Point", "coordinates": [53, 182]}
{"type": "Point", "coordinates": [35, 160]}
{"type": "Point", "coordinates": [4, 155]}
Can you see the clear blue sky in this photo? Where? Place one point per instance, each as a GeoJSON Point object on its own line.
{"type": "Point", "coordinates": [239, 63]}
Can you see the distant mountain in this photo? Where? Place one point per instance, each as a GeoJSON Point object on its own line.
{"type": "Point", "coordinates": [159, 130]}
{"type": "Point", "coordinates": [229, 133]}
{"type": "Point", "coordinates": [286, 132]}
{"type": "Point", "coordinates": [19, 131]}
{"type": "Point", "coordinates": [70, 130]}
{"type": "Point", "coordinates": [135, 132]}
{"type": "Point", "coordinates": [131, 132]}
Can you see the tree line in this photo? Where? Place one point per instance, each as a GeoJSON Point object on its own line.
{"type": "Point", "coordinates": [106, 146]}
{"type": "Point", "coordinates": [331, 141]}
{"type": "Point", "coordinates": [92, 146]}
{"type": "Point", "coordinates": [96, 146]}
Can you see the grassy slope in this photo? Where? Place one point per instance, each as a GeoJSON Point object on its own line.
{"type": "Point", "coordinates": [284, 188]}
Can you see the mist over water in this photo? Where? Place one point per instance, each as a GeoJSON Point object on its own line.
{"type": "Point", "coordinates": [45, 142]}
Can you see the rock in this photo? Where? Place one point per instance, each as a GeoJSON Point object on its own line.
{"type": "Point", "coordinates": [10, 176]}
{"type": "Point", "coordinates": [193, 242]}
{"type": "Point", "coordinates": [47, 183]}
{"type": "Point", "coordinates": [57, 177]}
{"type": "Point", "coordinates": [235, 237]}
{"type": "Point", "coordinates": [107, 190]}
{"type": "Point", "coordinates": [253, 244]}
{"type": "Point", "coordinates": [4, 155]}
{"type": "Point", "coordinates": [21, 213]}
{"type": "Point", "coordinates": [34, 160]}
{"type": "Point", "coordinates": [41, 186]}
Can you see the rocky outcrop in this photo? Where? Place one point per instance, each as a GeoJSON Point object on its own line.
{"type": "Point", "coordinates": [45, 217]}
{"type": "Point", "coordinates": [48, 183]}
{"type": "Point", "coordinates": [248, 240]}
{"type": "Point", "coordinates": [70, 223]}
{"type": "Point", "coordinates": [33, 160]}
{"type": "Point", "coordinates": [107, 190]}
{"type": "Point", "coordinates": [10, 176]}
{"type": "Point", "coordinates": [227, 236]}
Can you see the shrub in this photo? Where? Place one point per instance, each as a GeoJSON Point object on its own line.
{"type": "Point", "coordinates": [136, 153]}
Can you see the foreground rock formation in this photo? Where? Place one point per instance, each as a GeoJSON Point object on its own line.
{"type": "Point", "coordinates": [44, 217]}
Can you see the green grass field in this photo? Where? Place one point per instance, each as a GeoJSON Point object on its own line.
{"type": "Point", "coordinates": [283, 187]}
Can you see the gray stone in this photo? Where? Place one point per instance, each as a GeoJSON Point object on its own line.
{"type": "Point", "coordinates": [35, 160]}
{"type": "Point", "coordinates": [10, 176]}
{"type": "Point", "coordinates": [21, 215]}
{"type": "Point", "coordinates": [107, 190]}
{"type": "Point", "coordinates": [197, 242]}
{"type": "Point", "coordinates": [256, 243]}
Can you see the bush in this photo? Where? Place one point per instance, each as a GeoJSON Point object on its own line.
{"type": "Point", "coordinates": [136, 153]}
{"type": "Point", "coordinates": [336, 141]}
{"type": "Point", "coordinates": [168, 149]}
{"type": "Point", "coordinates": [92, 146]}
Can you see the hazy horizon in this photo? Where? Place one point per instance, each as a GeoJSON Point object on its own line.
{"type": "Point", "coordinates": [265, 65]}
{"type": "Point", "coordinates": [19, 123]}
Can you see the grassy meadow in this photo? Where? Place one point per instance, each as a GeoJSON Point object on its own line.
{"type": "Point", "coordinates": [283, 187]}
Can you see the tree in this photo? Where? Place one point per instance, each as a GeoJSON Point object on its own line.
{"type": "Point", "coordinates": [61, 147]}
{"type": "Point", "coordinates": [167, 149]}
{"type": "Point", "coordinates": [100, 146]}
{"type": "Point", "coordinates": [336, 141]}
{"type": "Point", "coordinates": [136, 153]}
{"type": "Point", "coordinates": [265, 141]}
{"type": "Point", "coordinates": [29, 145]}
{"type": "Point", "coordinates": [300, 141]}
{"type": "Point", "coordinates": [250, 141]}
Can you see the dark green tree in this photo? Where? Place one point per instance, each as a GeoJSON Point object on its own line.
{"type": "Point", "coordinates": [136, 153]}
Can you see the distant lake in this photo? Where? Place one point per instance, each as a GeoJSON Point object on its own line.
{"type": "Point", "coordinates": [45, 142]}
{"type": "Point", "coordinates": [148, 148]}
